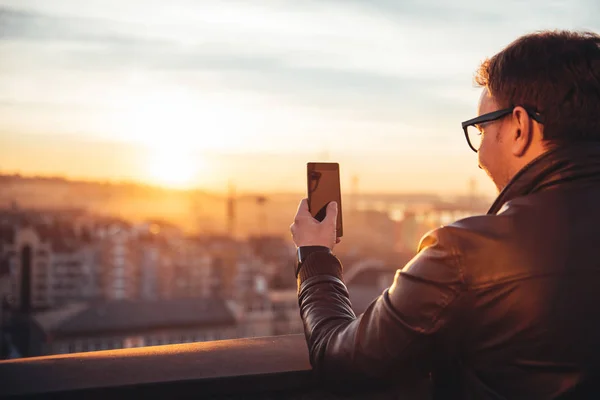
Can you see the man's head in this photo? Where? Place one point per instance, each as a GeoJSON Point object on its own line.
{"type": "Point", "coordinates": [549, 77]}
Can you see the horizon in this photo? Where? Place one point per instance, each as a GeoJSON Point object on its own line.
{"type": "Point", "coordinates": [199, 94]}
{"type": "Point", "coordinates": [222, 193]}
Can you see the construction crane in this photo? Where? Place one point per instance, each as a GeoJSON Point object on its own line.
{"type": "Point", "coordinates": [232, 201]}
{"type": "Point", "coordinates": [231, 215]}
{"type": "Point", "coordinates": [261, 202]}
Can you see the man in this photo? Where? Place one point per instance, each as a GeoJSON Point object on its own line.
{"type": "Point", "coordinates": [500, 306]}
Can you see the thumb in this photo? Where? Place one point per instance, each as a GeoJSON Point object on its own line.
{"type": "Point", "coordinates": [331, 217]}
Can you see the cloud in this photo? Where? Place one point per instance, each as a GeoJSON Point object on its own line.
{"type": "Point", "coordinates": [44, 28]}
{"type": "Point", "coordinates": [333, 64]}
{"type": "Point", "coordinates": [326, 63]}
{"type": "Point", "coordinates": [381, 84]}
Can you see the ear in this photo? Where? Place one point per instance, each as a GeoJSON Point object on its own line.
{"type": "Point", "coordinates": [522, 132]}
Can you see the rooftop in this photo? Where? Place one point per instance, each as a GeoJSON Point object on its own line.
{"type": "Point", "coordinates": [128, 315]}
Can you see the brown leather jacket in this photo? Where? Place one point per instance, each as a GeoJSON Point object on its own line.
{"type": "Point", "coordinates": [499, 306]}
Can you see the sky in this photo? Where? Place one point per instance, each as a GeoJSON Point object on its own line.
{"type": "Point", "coordinates": [202, 93]}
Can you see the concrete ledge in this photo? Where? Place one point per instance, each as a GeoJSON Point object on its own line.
{"type": "Point", "coordinates": [257, 368]}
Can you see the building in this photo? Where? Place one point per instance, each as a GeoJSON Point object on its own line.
{"type": "Point", "coordinates": [286, 312]}
{"type": "Point", "coordinates": [253, 308]}
{"type": "Point", "coordinates": [226, 255]}
{"type": "Point", "coordinates": [49, 266]}
{"type": "Point", "coordinates": [195, 273]}
{"type": "Point", "coordinates": [5, 282]}
{"type": "Point", "coordinates": [276, 254]}
{"type": "Point", "coordinates": [150, 259]}
{"type": "Point", "coordinates": [408, 233]}
{"type": "Point", "coordinates": [155, 261]}
{"type": "Point", "coordinates": [118, 262]}
{"type": "Point", "coordinates": [81, 327]}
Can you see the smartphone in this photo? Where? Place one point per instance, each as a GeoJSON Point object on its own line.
{"type": "Point", "coordinates": [324, 187]}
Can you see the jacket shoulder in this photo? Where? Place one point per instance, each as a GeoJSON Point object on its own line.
{"type": "Point", "coordinates": [491, 248]}
{"type": "Point", "coordinates": [438, 256]}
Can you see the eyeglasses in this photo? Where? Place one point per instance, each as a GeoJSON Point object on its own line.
{"type": "Point", "coordinates": [472, 127]}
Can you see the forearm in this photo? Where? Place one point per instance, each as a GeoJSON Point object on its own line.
{"type": "Point", "coordinates": [342, 346]}
{"type": "Point", "coordinates": [323, 297]}
{"type": "Point", "coordinates": [394, 337]}
{"type": "Point", "coordinates": [374, 347]}
{"type": "Point", "coordinates": [324, 302]}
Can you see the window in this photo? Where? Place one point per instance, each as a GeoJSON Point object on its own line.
{"type": "Point", "coordinates": [119, 251]}
{"type": "Point", "coordinates": [133, 341]}
{"type": "Point", "coordinates": [119, 263]}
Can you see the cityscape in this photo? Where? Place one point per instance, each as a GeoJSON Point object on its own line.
{"type": "Point", "coordinates": [152, 157]}
{"type": "Point", "coordinates": [155, 160]}
{"type": "Point", "coordinates": [74, 279]}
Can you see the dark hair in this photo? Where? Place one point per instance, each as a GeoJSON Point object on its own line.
{"type": "Point", "coordinates": [556, 73]}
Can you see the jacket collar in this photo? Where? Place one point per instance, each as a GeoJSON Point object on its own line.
{"type": "Point", "coordinates": [575, 162]}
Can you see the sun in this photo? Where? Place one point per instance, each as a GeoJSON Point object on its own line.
{"type": "Point", "coordinates": [174, 168]}
{"type": "Point", "coordinates": [165, 126]}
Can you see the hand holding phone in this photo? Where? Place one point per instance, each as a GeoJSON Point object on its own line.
{"type": "Point", "coordinates": [324, 187]}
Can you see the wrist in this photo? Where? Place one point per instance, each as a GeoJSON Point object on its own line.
{"type": "Point", "coordinates": [318, 243]}
{"type": "Point", "coordinates": [303, 252]}
{"type": "Point", "coordinates": [319, 263]}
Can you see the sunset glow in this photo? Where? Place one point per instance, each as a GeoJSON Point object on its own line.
{"type": "Point", "coordinates": [159, 119]}
{"type": "Point", "coordinates": [380, 87]}
{"type": "Point", "coordinates": [174, 168]}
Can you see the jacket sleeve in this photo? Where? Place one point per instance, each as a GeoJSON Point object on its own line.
{"type": "Point", "coordinates": [394, 337]}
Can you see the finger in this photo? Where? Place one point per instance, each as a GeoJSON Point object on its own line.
{"type": "Point", "coordinates": [338, 240]}
{"type": "Point", "coordinates": [303, 209]}
{"type": "Point", "coordinates": [331, 217]}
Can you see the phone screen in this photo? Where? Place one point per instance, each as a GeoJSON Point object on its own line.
{"type": "Point", "coordinates": [323, 188]}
